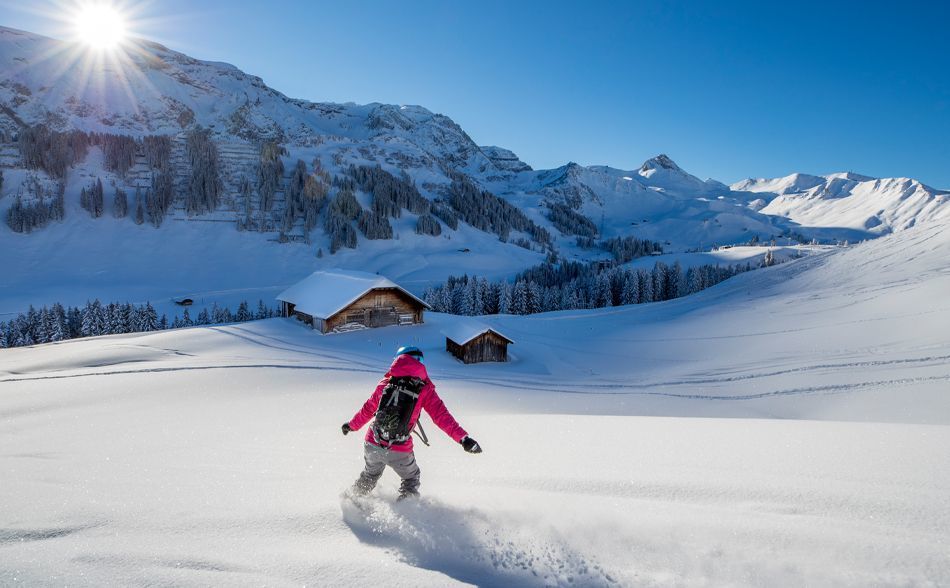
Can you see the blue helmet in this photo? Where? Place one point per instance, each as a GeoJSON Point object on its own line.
{"type": "Point", "coordinates": [412, 351]}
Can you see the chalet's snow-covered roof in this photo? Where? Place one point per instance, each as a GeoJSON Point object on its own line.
{"type": "Point", "coordinates": [464, 330]}
{"type": "Point", "coordinates": [325, 293]}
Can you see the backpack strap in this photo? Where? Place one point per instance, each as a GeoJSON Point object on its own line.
{"type": "Point", "coordinates": [421, 434]}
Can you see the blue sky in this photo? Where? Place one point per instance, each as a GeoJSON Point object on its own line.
{"type": "Point", "coordinates": [727, 89]}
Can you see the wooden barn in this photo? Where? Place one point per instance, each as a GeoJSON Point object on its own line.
{"type": "Point", "coordinates": [475, 342]}
{"type": "Point", "coordinates": [334, 301]}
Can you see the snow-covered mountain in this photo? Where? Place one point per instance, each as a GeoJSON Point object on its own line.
{"type": "Point", "coordinates": [152, 91]}
{"type": "Point", "coordinates": [848, 200]}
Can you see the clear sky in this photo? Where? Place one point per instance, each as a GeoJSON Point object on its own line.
{"type": "Point", "coordinates": [728, 89]}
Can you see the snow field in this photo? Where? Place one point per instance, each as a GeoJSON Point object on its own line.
{"type": "Point", "coordinates": [233, 477]}
{"type": "Point", "coordinates": [786, 427]}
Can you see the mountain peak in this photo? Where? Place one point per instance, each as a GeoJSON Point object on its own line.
{"type": "Point", "coordinates": [504, 159]}
{"type": "Point", "coordinates": [662, 161]}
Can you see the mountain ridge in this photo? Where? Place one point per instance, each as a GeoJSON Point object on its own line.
{"type": "Point", "coordinates": [153, 90]}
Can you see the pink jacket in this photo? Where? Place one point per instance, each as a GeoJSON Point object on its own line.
{"type": "Point", "coordinates": [405, 365]}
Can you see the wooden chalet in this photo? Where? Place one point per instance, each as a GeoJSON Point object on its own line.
{"type": "Point", "coordinates": [334, 301]}
{"type": "Point", "coordinates": [475, 342]}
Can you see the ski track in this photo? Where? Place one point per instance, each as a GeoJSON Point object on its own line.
{"type": "Point", "coordinates": [554, 386]}
{"type": "Point", "coordinates": [188, 368]}
{"type": "Point", "coordinates": [829, 389]}
{"type": "Point", "coordinates": [292, 347]}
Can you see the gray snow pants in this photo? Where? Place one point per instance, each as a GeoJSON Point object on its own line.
{"type": "Point", "coordinates": [402, 462]}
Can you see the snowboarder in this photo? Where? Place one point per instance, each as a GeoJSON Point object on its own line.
{"type": "Point", "coordinates": [396, 405]}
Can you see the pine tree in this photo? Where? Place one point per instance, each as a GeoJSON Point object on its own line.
{"type": "Point", "coordinates": [92, 319]}
{"type": "Point", "coordinates": [658, 277]}
{"type": "Point", "coordinates": [569, 298]}
{"type": "Point", "coordinates": [631, 289]}
{"type": "Point", "coordinates": [533, 302]}
{"type": "Point", "coordinates": [60, 330]}
{"type": "Point", "coordinates": [97, 198]}
{"type": "Point", "coordinates": [504, 299]}
{"type": "Point", "coordinates": [603, 296]}
{"type": "Point", "coordinates": [186, 319]}
{"type": "Point", "coordinates": [120, 205]}
{"type": "Point", "coordinates": [646, 286]}
{"type": "Point", "coordinates": [445, 300]}
{"type": "Point", "coordinates": [136, 319]}
{"type": "Point", "coordinates": [519, 298]}
{"type": "Point", "coordinates": [675, 287]}
{"type": "Point", "coordinates": [44, 326]}
{"type": "Point", "coordinates": [243, 314]}
{"type": "Point", "coordinates": [74, 322]}
{"type": "Point", "coordinates": [149, 318]}
{"type": "Point", "coordinates": [261, 311]}
{"type": "Point", "coordinates": [139, 210]}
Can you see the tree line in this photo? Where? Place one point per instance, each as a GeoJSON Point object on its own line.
{"type": "Point", "coordinates": [572, 285]}
{"type": "Point", "coordinates": [59, 323]}
{"type": "Point", "coordinates": [56, 151]}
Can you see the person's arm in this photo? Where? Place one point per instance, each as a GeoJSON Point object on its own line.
{"type": "Point", "coordinates": [441, 415]}
{"type": "Point", "coordinates": [366, 413]}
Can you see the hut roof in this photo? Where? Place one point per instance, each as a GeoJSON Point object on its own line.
{"type": "Point", "coordinates": [464, 330]}
{"type": "Point", "coordinates": [324, 293]}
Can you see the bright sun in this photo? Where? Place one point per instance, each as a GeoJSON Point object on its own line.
{"type": "Point", "coordinates": [100, 26]}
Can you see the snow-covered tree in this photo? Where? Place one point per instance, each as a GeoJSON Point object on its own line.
{"type": "Point", "coordinates": [261, 311]}
{"type": "Point", "coordinates": [630, 294]}
{"type": "Point", "coordinates": [243, 314]}
{"type": "Point", "coordinates": [149, 318]}
{"type": "Point", "coordinates": [60, 329]}
{"type": "Point", "coordinates": [504, 299]}
{"type": "Point", "coordinates": [93, 323]}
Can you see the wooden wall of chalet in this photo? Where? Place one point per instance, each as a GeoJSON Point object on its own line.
{"type": "Point", "coordinates": [378, 308]}
{"type": "Point", "coordinates": [486, 347]}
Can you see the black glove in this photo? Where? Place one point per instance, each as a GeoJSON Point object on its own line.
{"type": "Point", "coordinates": [471, 445]}
{"type": "Point", "coordinates": [346, 428]}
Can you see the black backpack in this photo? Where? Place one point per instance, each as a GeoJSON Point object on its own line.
{"type": "Point", "coordinates": [392, 423]}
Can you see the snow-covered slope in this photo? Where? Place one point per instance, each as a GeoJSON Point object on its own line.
{"type": "Point", "coordinates": [214, 455]}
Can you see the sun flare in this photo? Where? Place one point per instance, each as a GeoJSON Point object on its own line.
{"type": "Point", "coordinates": [100, 26]}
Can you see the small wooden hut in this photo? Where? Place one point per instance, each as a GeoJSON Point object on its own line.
{"type": "Point", "coordinates": [475, 342]}
{"type": "Point", "coordinates": [343, 300]}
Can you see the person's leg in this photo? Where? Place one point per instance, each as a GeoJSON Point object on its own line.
{"type": "Point", "coordinates": [405, 465]}
{"type": "Point", "coordinates": [375, 458]}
